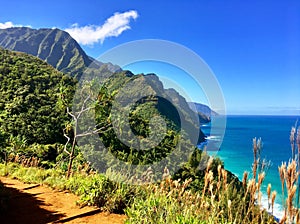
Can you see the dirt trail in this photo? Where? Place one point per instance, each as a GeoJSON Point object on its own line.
{"type": "Point", "coordinates": [36, 204]}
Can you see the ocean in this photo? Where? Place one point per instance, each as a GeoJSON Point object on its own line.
{"type": "Point", "coordinates": [236, 148]}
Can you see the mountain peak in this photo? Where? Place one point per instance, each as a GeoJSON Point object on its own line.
{"type": "Point", "coordinates": [54, 46]}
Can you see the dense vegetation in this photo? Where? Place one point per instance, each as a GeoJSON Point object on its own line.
{"type": "Point", "coordinates": [156, 103]}
{"type": "Point", "coordinates": [32, 118]}
{"type": "Point", "coordinates": [29, 99]}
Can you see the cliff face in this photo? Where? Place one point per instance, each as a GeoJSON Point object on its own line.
{"type": "Point", "coordinates": [204, 112]}
{"type": "Point", "coordinates": [54, 46]}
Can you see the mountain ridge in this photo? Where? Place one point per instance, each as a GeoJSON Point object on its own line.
{"type": "Point", "coordinates": [202, 108]}
{"type": "Point", "coordinates": [54, 46]}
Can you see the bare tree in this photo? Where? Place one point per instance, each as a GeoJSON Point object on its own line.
{"type": "Point", "coordinates": [75, 117]}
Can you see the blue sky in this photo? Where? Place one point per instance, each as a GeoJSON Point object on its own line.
{"type": "Point", "coordinates": [253, 47]}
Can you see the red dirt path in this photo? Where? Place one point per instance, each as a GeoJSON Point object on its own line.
{"type": "Point", "coordinates": [37, 204]}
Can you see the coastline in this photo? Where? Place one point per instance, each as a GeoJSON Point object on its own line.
{"type": "Point", "coordinates": [236, 149]}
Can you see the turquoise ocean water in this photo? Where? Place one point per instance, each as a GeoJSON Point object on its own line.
{"type": "Point", "coordinates": [236, 148]}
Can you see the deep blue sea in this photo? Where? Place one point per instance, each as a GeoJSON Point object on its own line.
{"type": "Point", "coordinates": [236, 148]}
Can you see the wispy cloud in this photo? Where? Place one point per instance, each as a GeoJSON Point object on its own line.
{"type": "Point", "coordinates": [113, 27]}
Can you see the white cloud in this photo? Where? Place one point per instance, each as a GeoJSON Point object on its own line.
{"type": "Point", "coordinates": [113, 27]}
{"type": "Point", "coordinates": [10, 24]}
{"type": "Point", "coordinates": [6, 25]}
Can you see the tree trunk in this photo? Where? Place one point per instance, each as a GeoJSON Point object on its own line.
{"type": "Point", "coordinates": [71, 159]}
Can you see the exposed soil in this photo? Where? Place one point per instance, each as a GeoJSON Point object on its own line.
{"type": "Point", "coordinates": [37, 204]}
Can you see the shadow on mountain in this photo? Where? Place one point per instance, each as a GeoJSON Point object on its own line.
{"type": "Point", "coordinates": [21, 207]}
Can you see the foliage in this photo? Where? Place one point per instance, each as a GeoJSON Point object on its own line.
{"type": "Point", "coordinates": [29, 99]}
{"type": "Point", "coordinates": [129, 130]}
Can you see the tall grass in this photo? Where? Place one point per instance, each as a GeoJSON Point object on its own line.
{"type": "Point", "coordinates": [218, 202]}
{"type": "Point", "coordinates": [290, 183]}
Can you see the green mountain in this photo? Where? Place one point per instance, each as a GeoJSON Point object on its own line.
{"type": "Point", "coordinates": [34, 95]}
{"type": "Point", "coordinates": [54, 46]}
{"type": "Point", "coordinates": [27, 83]}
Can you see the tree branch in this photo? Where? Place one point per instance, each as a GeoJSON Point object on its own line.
{"type": "Point", "coordinates": [92, 132]}
{"type": "Point", "coordinates": [68, 140]}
